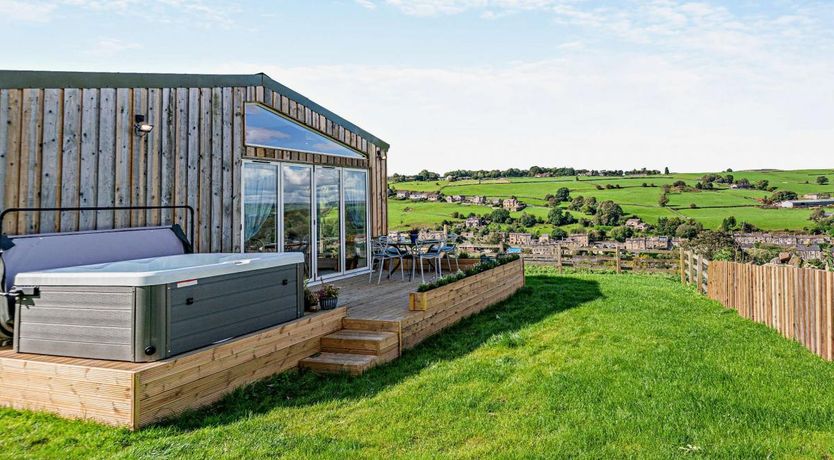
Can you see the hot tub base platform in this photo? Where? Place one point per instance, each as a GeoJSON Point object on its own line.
{"type": "Point", "coordinates": [137, 394]}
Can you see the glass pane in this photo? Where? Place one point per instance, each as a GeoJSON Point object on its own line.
{"type": "Point", "coordinates": [298, 199]}
{"type": "Point", "coordinates": [356, 220]}
{"type": "Point", "coordinates": [259, 207]}
{"type": "Point", "coordinates": [328, 252]}
{"type": "Point", "coordinates": [268, 129]}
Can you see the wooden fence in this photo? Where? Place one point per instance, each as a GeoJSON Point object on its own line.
{"type": "Point", "coordinates": [694, 270]}
{"type": "Point", "coordinates": [610, 259]}
{"type": "Point", "coordinates": [797, 302]}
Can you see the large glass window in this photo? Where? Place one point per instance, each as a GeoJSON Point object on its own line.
{"type": "Point", "coordinates": [266, 128]}
{"type": "Point", "coordinates": [356, 219]}
{"type": "Point", "coordinates": [260, 202]}
{"type": "Point", "coordinates": [298, 200]}
{"type": "Point", "coordinates": [329, 250]}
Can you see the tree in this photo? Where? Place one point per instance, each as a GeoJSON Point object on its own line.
{"type": "Point", "coordinates": [822, 180]}
{"type": "Point", "coordinates": [563, 194]}
{"type": "Point", "coordinates": [783, 195]}
{"type": "Point", "coordinates": [620, 233]}
{"type": "Point", "coordinates": [663, 200]}
{"type": "Point", "coordinates": [577, 203]}
{"type": "Point", "coordinates": [762, 184]}
{"type": "Point", "coordinates": [608, 213]}
{"type": "Point", "coordinates": [558, 217]}
{"type": "Point", "coordinates": [590, 206]}
{"type": "Point", "coordinates": [500, 216]}
{"type": "Point", "coordinates": [728, 224]}
{"type": "Point", "coordinates": [679, 184]}
{"type": "Point", "coordinates": [714, 245]}
{"type": "Point", "coordinates": [558, 234]}
{"type": "Point", "coordinates": [688, 230]}
{"type": "Point", "coordinates": [527, 220]}
{"type": "Point", "coordinates": [666, 170]}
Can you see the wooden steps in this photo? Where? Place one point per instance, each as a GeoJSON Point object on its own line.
{"type": "Point", "coordinates": [354, 351]}
{"type": "Point", "coordinates": [337, 363]}
{"type": "Point", "coordinates": [359, 342]}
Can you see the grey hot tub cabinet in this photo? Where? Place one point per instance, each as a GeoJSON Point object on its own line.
{"type": "Point", "coordinates": [154, 322]}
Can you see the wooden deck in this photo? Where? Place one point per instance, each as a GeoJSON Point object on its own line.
{"type": "Point", "coordinates": [372, 325]}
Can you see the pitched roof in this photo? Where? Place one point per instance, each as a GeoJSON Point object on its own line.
{"type": "Point", "coordinates": [20, 79]}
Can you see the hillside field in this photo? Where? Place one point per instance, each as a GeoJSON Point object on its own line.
{"type": "Point", "coordinates": [711, 206]}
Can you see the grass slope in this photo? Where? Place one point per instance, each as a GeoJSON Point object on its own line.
{"type": "Point", "coordinates": [579, 366]}
{"type": "Point", "coordinates": [713, 206]}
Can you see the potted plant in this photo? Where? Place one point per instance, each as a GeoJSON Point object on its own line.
{"type": "Point", "coordinates": [328, 296]}
{"type": "Point", "coordinates": [311, 301]}
{"type": "Point", "coordinates": [414, 234]}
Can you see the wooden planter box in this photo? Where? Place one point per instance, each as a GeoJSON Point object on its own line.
{"type": "Point", "coordinates": [478, 286]}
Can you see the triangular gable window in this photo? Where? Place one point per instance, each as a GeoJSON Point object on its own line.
{"type": "Point", "coordinates": [265, 128]}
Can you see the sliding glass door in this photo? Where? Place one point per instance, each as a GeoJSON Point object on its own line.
{"type": "Point", "coordinates": [356, 219]}
{"type": "Point", "coordinates": [297, 194]}
{"type": "Point", "coordinates": [319, 211]}
{"type": "Point", "coordinates": [328, 221]}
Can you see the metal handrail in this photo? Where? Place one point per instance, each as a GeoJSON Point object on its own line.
{"type": "Point", "coordinates": [104, 208]}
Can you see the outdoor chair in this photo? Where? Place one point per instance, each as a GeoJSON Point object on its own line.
{"type": "Point", "coordinates": [427, 251]}
{"type": "Point", "coordinates": [450, 251]}
{"type": "Point", "coordinates": [381, 250]}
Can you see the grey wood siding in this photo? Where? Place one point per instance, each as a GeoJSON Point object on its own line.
{"type": "Point", "coordinates": [77, 147]}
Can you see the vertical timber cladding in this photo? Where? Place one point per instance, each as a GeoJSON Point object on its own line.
{"type": "Point", "coordinates": [64, 147]}
{"type": "Point", "coordinates": [76, 146]}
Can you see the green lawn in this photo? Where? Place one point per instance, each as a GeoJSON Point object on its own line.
{"type": "Point", "coordinates": [578, 366]}
{"type": "Point", "coordinates": [713, 206]}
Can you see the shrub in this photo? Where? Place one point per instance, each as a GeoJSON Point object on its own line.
{"type": "Point", "coordinates": [474, 270]}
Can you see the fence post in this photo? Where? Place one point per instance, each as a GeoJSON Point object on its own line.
{"type": "Point", "coordinates": [700, 273]}
{"type": "Point", "coordinates": [617, 256]}
{"type": "Point", "coordinates": [682, 267]}
{"type": "Point", "coordinates": [691, 266]}
{"type": "Point", "coordinates": [559, 257]}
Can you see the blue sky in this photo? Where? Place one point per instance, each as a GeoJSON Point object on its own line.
{"type": "Point", "coordinates": [492, 83]}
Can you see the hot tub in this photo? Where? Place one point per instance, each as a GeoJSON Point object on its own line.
{"type": "Point", "coordinates": [149, 309]}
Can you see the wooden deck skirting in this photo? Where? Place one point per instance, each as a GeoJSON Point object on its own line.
{"type": "Point", "coordinates": [134, 395]}
{"type": "Point", "coordinates": [137, 394]}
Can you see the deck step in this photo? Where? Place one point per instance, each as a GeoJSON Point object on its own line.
{"type": "Point", "coordinates": [335, 363]}
{"type": "Point", "coordinates": [360, 342]}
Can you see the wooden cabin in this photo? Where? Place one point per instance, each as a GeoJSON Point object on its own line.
{"type": "Point", "coordinates": [263, 167]}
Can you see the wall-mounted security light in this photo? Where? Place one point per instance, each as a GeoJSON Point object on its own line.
{"type": "Point", "coordinates": [381, 154]}
{"type": "Point", "coordinates": [140, 126]}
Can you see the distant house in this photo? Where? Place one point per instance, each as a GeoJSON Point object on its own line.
{"type": "Point", "coordinates": [403, 194]}
{"type": "Point", "coordinates": [742, 185]}
{"type": "Point", "coordinates": [544, 239]}
{"type": "Point", "coordinates": [495, 202]}
{"type": "Point", "coordinates": [808, 252]}
{"type": "Point", "coordinates": [419, 196]}
{"type": "Point", "coordinates": [807, 203]}
{"type": "Point", "coordinates": [472, 222]}
{"type": "Point", "coordinates": [637, 224]}
{"type": "Point", "coordinates": [579, 240]}
{"type": "Point", "coordinates": [432, 235]}
{"type": "Point", "coordinates": [816, 196]}
{"type": "Point", "coordinates": [521, 239]}
{"type": "Point", "coordinates": [454, 199]}
{"type": "Point", "coordinates": [475, 199]}
{"type": "Point", "coordinates": [433, 196]}
{"type": "Point", "coordinates": [512, 204]}
{"type": "Point", "coordinates": [648, 243]}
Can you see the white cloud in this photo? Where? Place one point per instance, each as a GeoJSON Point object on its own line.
{"type": "Point", "coordinates": [109, 47]}
{"type": "Point", "coordinates": [207, 13]}
{"type": "Point", "coordinates": [16, 10]}
{"type": "Point", "coordinates": [587, 110]}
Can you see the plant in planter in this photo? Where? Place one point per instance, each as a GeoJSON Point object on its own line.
{"type": "Point", "coordinates": [328, 296]}
{"type": "Point", "coordinates": [311, 301]}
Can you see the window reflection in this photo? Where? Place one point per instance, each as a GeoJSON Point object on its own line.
{"type": "Point", "coordinates": [260, 207]}
{"type": "Point", "coordinates": [298, 197]}
{"type": "Point", "coordinates": [268, 129]}
{"type": "Point", "coordinates": [356, 219]}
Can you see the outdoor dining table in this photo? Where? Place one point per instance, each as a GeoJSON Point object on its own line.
{"type": "Point", "coordinates": [408, 247]}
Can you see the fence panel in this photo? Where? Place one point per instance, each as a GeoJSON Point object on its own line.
{"type": "Point", "coordinates": [796, 302]}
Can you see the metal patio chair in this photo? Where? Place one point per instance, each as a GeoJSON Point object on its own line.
{"type": "Point", "coordinates": [430, 251]}
{"type": "Point", "coordinates": [450, 251]}
{"type": "Point", "coordinates": [381, 250]}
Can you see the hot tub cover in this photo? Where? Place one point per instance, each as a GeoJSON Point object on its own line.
{"type": "Point", "coordinates": [157, 270]}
